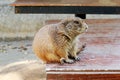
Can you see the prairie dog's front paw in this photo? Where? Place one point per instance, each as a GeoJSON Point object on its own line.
{"type": "Point", "coordinates": [77, 58]}
{"type": "Point", "coordinates": [83, 47]}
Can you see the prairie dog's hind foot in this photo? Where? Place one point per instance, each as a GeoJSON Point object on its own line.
{"type": "Point", "coordinates": [69, 61]}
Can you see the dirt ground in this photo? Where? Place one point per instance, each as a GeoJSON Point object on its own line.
{"type": "Point", "coordinates": [18, 62]}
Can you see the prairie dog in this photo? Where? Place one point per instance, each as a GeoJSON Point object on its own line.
{"type": "Point", "coordinates": [55, 42]}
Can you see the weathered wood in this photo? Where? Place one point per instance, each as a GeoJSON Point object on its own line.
{"type": "Point", "coordinates": [67, 6]}
{"type": "Point", "coordinates": [67, 3]}
{"type": "Point", "coordinates": [99, 61]}
{"type": "Point", "coordinates": [67, 9]}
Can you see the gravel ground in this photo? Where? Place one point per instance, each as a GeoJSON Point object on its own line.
{"type": "Point", "coordinates": [15, 51]}
{"type": "Point", "coordinates": [18, 62]}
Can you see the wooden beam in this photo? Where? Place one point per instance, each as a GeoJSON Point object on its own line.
{"type": "Point", "coordinates": [67, 9]}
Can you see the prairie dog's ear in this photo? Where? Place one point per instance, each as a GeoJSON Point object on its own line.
{"type": "Point", "coordinates": [65, 21]}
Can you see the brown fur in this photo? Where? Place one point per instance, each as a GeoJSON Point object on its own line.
{"type": "Point", "coordinates": [54, 42]}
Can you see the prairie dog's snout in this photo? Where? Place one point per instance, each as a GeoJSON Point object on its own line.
{"type": "Point", "coordinates": [76, 25]}
{"type": "Point", "coordinates": [83, 26]}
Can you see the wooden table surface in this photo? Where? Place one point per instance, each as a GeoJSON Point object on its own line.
{"type": "Point", "coordinates": [66, 3]}
{"type": "Point", "coordinates": [101, 58]}
{"type": "Point", "coordinates": [103, 47]}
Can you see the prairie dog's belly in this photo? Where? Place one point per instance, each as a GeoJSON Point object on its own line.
{"type": "Point", "coordinates": [42, 41]}
{"type": "Point", "coordinates": [43, 45]}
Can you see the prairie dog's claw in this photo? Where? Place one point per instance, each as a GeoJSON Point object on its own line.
{"type": "Point", "coordinates": [77, 58]}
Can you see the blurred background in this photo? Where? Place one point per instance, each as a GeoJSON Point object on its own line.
{"type": "Point", "coordinates": [23, 26]}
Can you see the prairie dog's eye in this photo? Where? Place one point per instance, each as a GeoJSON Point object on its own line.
{"type": "Point", "coordinates": [76, 22]}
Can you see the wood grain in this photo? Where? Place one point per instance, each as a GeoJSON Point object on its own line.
{"type": "Point", "coordinates": [99, 61]}
{"type": "Point", "coordinates": [66, 3]}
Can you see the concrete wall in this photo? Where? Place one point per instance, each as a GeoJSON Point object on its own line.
{"type": "Point", "coordinates": [25, 25]}
{"type": "Point", "coordinates": [21, 25]}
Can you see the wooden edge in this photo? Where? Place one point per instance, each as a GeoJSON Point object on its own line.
{"type": "Point", "coordinates": [38, 4]}
{"type": "Point", "coordinates": [81, 76]}
{"type": "Point", "coordinates": [82, 72]}
{"type": "Point", "coordinates": [18, 3]}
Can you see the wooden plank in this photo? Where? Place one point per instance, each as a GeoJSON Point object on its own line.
{"type": "Point", "coordinates": [74, 76]}
{"type": "Point", "coordinates": [67, 6]}
{"type": "Point", "coordinates": [68, 9]}
{"type": "Point", "coordinates": [66, 3]}
{"type": "Point", "coordinates": [100, 60]}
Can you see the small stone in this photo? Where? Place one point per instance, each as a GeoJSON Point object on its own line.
{"type": "Point", "coordinates": [8, 44]}
{"type": "Point", "coordinates": [23, 48]}
{"type": "Point", "coordinates": [14, 47]}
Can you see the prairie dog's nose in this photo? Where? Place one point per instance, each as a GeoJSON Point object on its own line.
{"type": "Point", "coordinates": [86, 26]}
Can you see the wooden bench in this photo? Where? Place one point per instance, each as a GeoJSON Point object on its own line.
{"type": "Point", "coordinates": [101, 58]}
{"type": "Point", "coordinates": [78, 7]}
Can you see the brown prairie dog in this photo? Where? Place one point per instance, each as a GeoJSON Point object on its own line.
{"type": "Point", "coordinates": [55, 42]}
